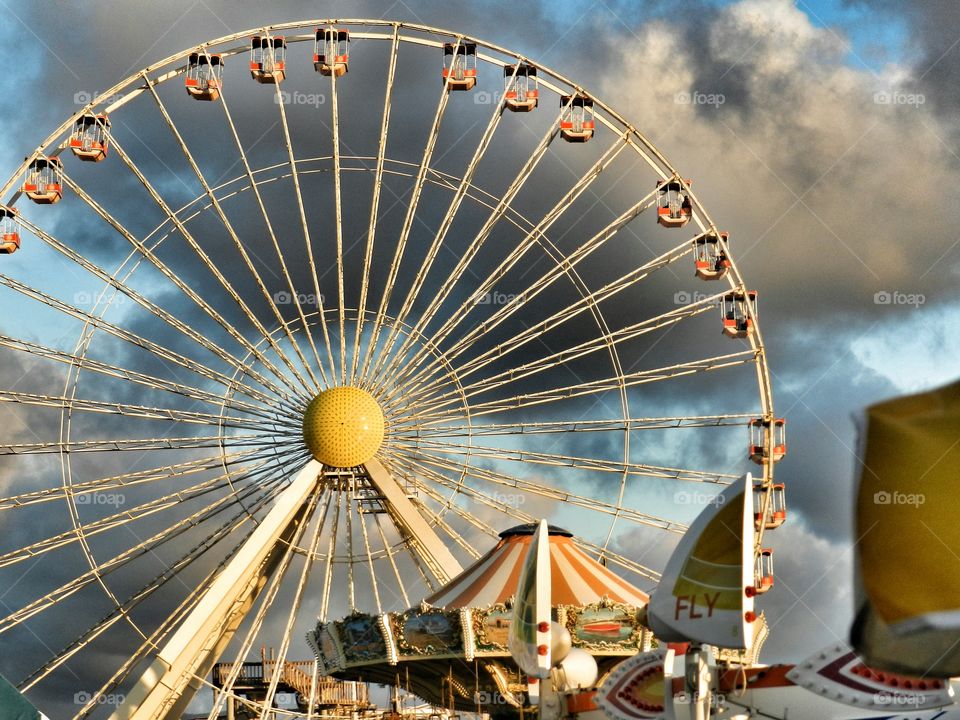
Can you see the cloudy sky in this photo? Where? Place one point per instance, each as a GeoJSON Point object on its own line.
{"type": "Point", "coordinates": [823, 135]}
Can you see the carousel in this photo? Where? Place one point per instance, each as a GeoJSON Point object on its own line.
{"type": "Point", "coordinates": [452, 649]}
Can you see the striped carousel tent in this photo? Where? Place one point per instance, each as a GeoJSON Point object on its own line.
{"type": "Point", "coordinates": [577, 579]}
{"type": "Point", "coordinates": [456, 639]}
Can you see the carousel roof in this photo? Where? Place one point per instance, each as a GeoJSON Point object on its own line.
{"type": "Point", "coordinates": [577, 579]}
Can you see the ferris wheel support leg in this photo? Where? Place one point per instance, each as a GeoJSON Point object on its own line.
{"type": "Point", "coordinates": [167, 686]}
{"type": "Point", "coordinates": [427, 544]}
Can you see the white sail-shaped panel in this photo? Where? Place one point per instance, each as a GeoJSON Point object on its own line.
{"type": "Point", "coordinates": [704, 595]}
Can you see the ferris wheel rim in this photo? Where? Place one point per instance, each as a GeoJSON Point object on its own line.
{"type": "Point", "coordinates": [734, 280]}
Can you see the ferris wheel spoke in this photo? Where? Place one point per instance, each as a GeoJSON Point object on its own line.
{"type": "Point", "coordinates": [414, 387]}
{"type": "Point", "coordinates": [448, 504]}
{"type": "Point", "coordinates": [436, 520]}
{"type": "Point", "coordinates": [150, 644]}
{"type": "Point", "coordinates": [176, 279]}
{"type": "Point", "coordinates": [295, 603]}
{"type": "Point", "coordinates": [608, 556]}
{"type": "Point", "coordinates": [284, 268]}
{"type": "Point", "coordinates": [368, 551]}
{"type": "Point", "coordinates": [139, 445]}
{"type": "Point", "coordinates": [577, 426]}
{"type": "Point", "coordinates": [375, 204]}
{"type": "Point", "coordinates": [556, 493]}
{"type": "Point", "coordinates": [556, 271]}
{"type": "Point", "coordinates": [120, 518]}
{"type": "Point", "coordinates": [445, 224]}
{"type": "Point", "coordinates": [412, 204]}
{"type": "Point", "coordinates": [132, 338]}
{"type": "Point", "coordinates": [429, 448]}
{"type": "Point", "coordinates": [515, 513]}
{"type": "Point", "coordinates": [304, 226]}
{"type": "Point", "coordinates": [270, 593]}
{"type": "Point", "coordinates": [338, 213]}
{"type": "Point", "coordinates": [530, 240]}
{"type": "Point", "coordinates": [603, 342]}
{"type": "Point", "coordinates": [147, 305]}
{"type": "Point", "coordinates": [251, 268]}
{"type": "Point", "coordinates": [122, 611]}
{"type": "Point", "coordinates": [331, 551]}
{"type": "Point", "coordinates": [151, 256]}
{"type": "Point", "coordinates": [391, 553]}
{"type": "Point", "coordinates": [436, 413]}
{"type": "Point", "coordinates": [135, 377]}
{"type": "Point", "coordinates": [142, 548]}
{"type": "Point", "coordinates": [138, 411]}
{"type": "Point", "coordinates": [128, 479]}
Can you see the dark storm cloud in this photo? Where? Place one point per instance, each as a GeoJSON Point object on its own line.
{"type": "Point", "coordinates": [932, 38]}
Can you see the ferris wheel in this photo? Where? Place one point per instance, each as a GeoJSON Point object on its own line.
{"type": "Point", "coordinates": [302, 339]}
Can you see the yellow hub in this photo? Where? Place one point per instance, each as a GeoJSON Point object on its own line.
{"type": "Point", "coordinates": [343, 427]}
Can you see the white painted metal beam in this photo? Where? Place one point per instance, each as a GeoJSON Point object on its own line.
{"type": "Point", "coordinates": [168, 685]}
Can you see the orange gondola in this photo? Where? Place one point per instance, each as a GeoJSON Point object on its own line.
{"type": "Point", "coordinates": [710, 255]}
{"type": "Point", "coordinates": [577, 123]}
{"type": "Point", "coordinates": [331, 51]}
{"type": "Point", "coordinates": [674, 208]}
{"type": "Point", "coordinates": [9, 231]}
{"type": "Point", "coordinates": [89, 140]}
{"type": "Point", "coordinates": [460, 67]}
{"type": "Point", "coordinates": [268, 59]}
{"type": "Point", "coordinates": [521, 90]}
{"type": "Point", "coordinates": [778, 505]}
{"type": "Point", "coordinates": [44, 181]}
{"type": "Point", "coordinates": [738, 310]}
{"type": "Point", "coordinates": [204, 76]}
{"type": "Point", "coordinates": [766, 434]}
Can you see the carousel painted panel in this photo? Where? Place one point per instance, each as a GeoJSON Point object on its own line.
{"type": "Point", "coordinates": [429, 633]}
{"type": "Point", "coordinates": [361, 639]}
{"type": "Point", "coordinates": [327, 648]}
{"type": "Point", "coordinates": [491, 628]}
{"type": "Point", "coordinates": [605, 626]}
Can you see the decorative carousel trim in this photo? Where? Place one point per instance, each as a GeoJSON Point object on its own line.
{"type": "Point", "coordinates": [466, 630]}
{"type": "Point", "coordinates": [386, 628]}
